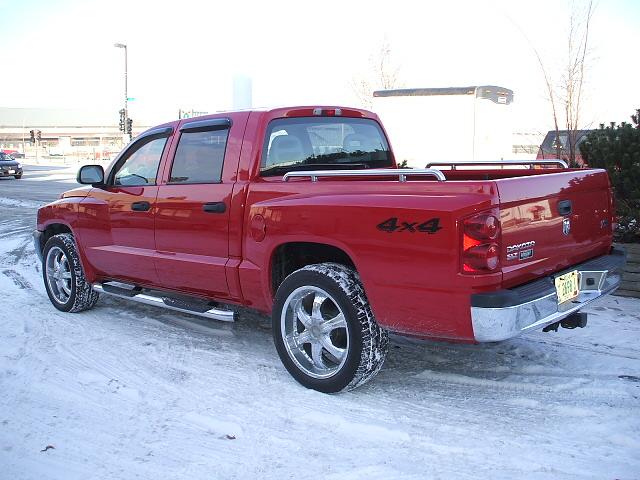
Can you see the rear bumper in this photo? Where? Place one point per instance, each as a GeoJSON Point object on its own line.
{"type": "Point", "coordinates": [505, 313]}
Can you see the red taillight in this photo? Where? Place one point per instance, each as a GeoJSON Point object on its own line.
{"type": "Point", "coordinates": [482, 227]}
{"type": "Point", "coordinates": [481, 257]}
{"type": "Point", "coordinates": [480, 243]}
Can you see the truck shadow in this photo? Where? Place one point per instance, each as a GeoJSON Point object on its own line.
{"type": "Point", "coordinates": [411, 365]}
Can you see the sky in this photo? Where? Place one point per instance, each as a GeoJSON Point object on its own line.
{"type": "Point", "coordinates": [185, 55]}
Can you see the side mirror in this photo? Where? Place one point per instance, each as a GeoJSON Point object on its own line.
{"type": "Point", "coordinates": [91, 175]}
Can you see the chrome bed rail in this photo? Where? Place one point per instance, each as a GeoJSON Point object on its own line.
{"type": "Point", "coordinates": [530, 163]}
{"type": "Point", "coordinates": [401, 173]}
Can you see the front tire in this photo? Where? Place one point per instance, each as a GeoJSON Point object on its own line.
{"type": "Point", "coordinates": [18, 177]}
{"type": "Point", "coordinates": [64, 277]}
{"type": "Point", "coordinates": [324, 330]}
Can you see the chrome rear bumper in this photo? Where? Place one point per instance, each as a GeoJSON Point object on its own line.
{"type": "Point", "coordinates": [504, 314]}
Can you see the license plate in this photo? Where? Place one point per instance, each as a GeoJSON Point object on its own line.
{"type": "Point", "coordinates": [567, 286]}
{"type": "Point", "coordinates": [12, 171]}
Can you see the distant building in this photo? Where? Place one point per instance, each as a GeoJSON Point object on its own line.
{"type": "Point", "coordinates": [526, 144]}
{"type": "Point", "coordinates": [77, 133]}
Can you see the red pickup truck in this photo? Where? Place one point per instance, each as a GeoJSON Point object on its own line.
{"type": "Point", "coordinates": [302, 213]}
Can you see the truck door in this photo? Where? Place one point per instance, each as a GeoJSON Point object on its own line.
{"type": "Point", "coordinates": [194, 198]}
{"type": "Point", "coordinates": [116, 221]}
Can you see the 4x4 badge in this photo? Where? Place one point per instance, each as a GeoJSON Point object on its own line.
{"type": "Point", "coordinates": [566, 226]}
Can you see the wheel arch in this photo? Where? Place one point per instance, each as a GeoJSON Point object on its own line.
{"type": "Point", "coordinates": [53, 228]}
{"type": "Point", "coordinates": [287, 257]}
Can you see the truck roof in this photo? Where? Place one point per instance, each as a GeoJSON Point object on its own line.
{"type": "Point", "coordinates": [288, 111]}
{"type": "Point", "coordinates": [277, 112]}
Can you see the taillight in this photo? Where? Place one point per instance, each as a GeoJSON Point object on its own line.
{"type": "Point", "coordinates": [481, 257]}
{"type": "Point", "coordinates": [480, 243]}
{"type": "Point", "coordinates": [482, 227]}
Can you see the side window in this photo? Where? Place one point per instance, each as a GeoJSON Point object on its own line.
{"type": "Point", "coordinates": [141, 166]}
{"type": "Point", "coordinates": [199, 157]}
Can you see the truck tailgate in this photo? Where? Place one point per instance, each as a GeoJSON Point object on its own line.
{"type": "Point", "coordinates": [550, 222]}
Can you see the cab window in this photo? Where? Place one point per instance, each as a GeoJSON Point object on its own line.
{"type": "Point", "coordinates": [140, 167]}
{"type": "Point", "coordinates": [199, 157]}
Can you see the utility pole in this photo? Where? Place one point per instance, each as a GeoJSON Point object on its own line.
{"type": "Point", "coordinates": [126, 94]}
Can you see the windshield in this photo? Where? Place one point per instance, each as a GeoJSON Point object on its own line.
{"type": "Point", "coordinates": [315, 143]}
{"type": "Point", "coordinates": [4, 157]}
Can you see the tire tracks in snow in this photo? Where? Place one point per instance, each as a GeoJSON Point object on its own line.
{"type": "Point", "coordinates": [585, 348]}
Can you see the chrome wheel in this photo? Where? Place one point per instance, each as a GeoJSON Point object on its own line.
{"type": "Point", "coordinates": [315, 332]}
{"type": "Point", "coordinates": [58, 274]}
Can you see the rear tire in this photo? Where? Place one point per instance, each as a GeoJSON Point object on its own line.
{"type": "Point", "coordinates": [324, 330]}
{"type": "Point", "coordinates": [63, 275]}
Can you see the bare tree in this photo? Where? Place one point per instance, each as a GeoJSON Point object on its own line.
{"type": "Point", "coordinates": [381, 74]}
{"type": "Point", "coordinates": [565, 89]}
{"type": "Point", "coordinates": [573, 79]}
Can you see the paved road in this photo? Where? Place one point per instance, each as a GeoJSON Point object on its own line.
{"type": "Point", "coordinates": [40, 183]}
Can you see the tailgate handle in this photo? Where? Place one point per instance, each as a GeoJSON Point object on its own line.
{"type": "Point", "coordinates": [564, 207]}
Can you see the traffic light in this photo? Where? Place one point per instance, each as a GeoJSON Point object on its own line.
{"type": "Point", "coordinates": [32, 139]}
{"type": "Point", "coordinates": [39, 135]}
{"type": "Point", "coordinates": [129, 126]}
{"type": "Point", "coordinates": [122, 113]}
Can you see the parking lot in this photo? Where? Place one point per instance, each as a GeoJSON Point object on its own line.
{"type": "Point", "coordinates": [131, 391]}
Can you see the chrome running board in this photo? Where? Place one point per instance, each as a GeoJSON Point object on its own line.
{"type": "Point", "coordinates": [133, 293]}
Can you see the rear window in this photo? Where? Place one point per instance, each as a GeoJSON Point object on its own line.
{"type": "Point", "coordinates": [552, 142]}
{"type": "Point", "coordinates": [323, 143]}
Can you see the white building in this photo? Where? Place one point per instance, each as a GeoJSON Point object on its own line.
{"type": "Point", "coordinates": [447, 124]}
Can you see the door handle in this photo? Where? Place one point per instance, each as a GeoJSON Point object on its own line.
{"type": "Point", "coordinates": [214, 207]}
{"type": "Point", "coordinates": [141, 206]}
{"type": "Point", "coordinates": [564, 207]}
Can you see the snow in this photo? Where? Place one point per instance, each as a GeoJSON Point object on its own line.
{"type": "Point", "coordinates": [132, 391]}
{"type": "Point", "coordinates": [13, 202]}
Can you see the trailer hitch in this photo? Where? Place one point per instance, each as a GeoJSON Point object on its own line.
{"type": "Point", "coordinates": [577, 319]}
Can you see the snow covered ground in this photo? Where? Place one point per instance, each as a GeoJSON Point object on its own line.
{"type": "Point", "coordinates": [128, 391]}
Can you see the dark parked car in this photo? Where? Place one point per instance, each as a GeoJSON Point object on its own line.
{"type": "Point", "coordinates": [9, 166]}
{"type": "Point", "coordinates": [557, 145]}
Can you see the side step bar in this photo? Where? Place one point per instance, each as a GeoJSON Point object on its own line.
{"type": "Point", "coordinates": [201, 309]}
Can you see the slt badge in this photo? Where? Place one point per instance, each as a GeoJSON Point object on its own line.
{"type": "Point", "coordinates": [521, 251]}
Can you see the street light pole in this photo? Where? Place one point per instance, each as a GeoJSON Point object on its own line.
{"type": "Point", "coordinates": [126, 94]}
